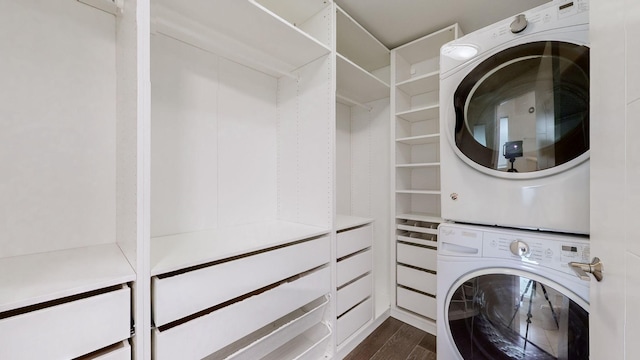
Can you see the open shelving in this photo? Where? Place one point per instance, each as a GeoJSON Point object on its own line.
{"type": "Point", "coordinates": [416, 174]}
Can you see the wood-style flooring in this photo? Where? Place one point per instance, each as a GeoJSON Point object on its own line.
{"type": "Point", "coordinates": [395, 340]}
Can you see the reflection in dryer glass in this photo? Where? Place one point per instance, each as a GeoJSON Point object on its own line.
{"type": "Point", "coordinates": [501, 316]}
{"type": "Point", "coordinates": [536, 94]}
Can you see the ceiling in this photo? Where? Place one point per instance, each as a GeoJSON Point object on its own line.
{"type": "Point", "coordinates": [396, 22]}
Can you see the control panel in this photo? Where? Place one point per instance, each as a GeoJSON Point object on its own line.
{"type": "Point", "coordinates": [554, 252]}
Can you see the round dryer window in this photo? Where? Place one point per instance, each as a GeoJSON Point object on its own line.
{"type": "Point", "coordinates": [526, 109]}
{"type": "Point", "coordinates": [505, 316]}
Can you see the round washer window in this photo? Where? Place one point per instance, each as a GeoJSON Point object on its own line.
{"type": "Point", "coordinates": [505, 316]}
{"type": "Point", "coordinates": [525, 109]}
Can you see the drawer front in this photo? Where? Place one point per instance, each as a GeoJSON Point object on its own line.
{"type": "Point", "coordinates": [424, 258]}
{"type": "Point", "coordinates": [350, 322]}
{"type": "Point", "coordinates": [181, 295]}
{"type": "Point", "coordinates": [68, 330]}
{"type": "Point", "coordinates": [120, 351]}
{"type": "Point", "coordinates": [416, 279]}
{"type": "Point", "coordinates": [416, 302]}
{"type": "Point", "coordinates": [352, 267]}
{"type": "Point", "coordinates": [354, 240]}
{"type": "Point", "coordinates": [204, 335]}
{"type": "Point", "coordinates": [354, 293]}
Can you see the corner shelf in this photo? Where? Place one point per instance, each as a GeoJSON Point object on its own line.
{"type": "Point", "coordinates": [357, 84]}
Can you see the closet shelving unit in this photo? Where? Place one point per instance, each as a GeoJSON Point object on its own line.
{"type": "Point", "coordinates": [71, 198]}
{"type": "Point", "coordinates": [241, 191]}
{"type": "Point", "coordinates": [416, 175]}
{"type": "Point", "coordinates": [362, 113]}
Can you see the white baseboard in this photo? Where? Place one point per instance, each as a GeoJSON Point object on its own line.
{"type": "Point", "coordinates": [415, 320]}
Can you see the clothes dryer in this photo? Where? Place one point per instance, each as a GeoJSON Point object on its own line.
{"type": "Point", "coordinates": [510, 294]}
{"type": "Point", "coordinates": [515, 122]}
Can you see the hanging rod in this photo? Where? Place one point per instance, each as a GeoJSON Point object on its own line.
{"type": "Point", "coordinates": [351, 101]}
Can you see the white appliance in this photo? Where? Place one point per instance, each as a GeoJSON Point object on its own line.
{"type": "Point", "coordinates": [515, 114]}
{"type": "Point", "coordinates": [510, 294]}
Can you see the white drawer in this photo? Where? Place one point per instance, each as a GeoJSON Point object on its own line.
{"type": "Point", "coordinates": [416, 279]}
{"type": "Point", "coordinates": [352, 267]}
{"type": "Point", "coordinates": [350, 322]}
{"type": "Point", "coordinates": [202, 336]}
{"type": "Point", "coordinates": [178, 296]}
{"type": "Point", "coordinates": [68, 330]}
{"type": "Point", "coordinates": [119, 351]}
{"type": "Point", "coordinates": [354, 240]}
{"type": "Point", "coordinates": [424, 258]}
{"type": "Point", "coordinates": [353, 293]}
{"type": "Point", "coordinates": [416, 302]}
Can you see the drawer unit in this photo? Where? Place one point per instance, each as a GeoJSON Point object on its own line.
{"type": "Point", "coordinates": [354, 293]}
{"type": "Point", "coordinates": [70, 329]}
{"type": "Point", "coordinates": [418, 303]}
{"type": "Point", "coordinates": [353, 320]}
{"type": "Point", "coordinates": [353, 266]}
{"type": "Point", "coordinates": [354, 240]}
{"type": "Point", "coordinates": [119, 351]}
{"type": "Point", "coordinates": [204, 335]}
{"type": "Point", "coordinates": [178, 296]}
{"type": "Point", "coordinates": [416, 279]}
{"type": "Point", "coordinates": [418, 256]}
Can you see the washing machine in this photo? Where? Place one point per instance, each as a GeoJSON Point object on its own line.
{"type": "Point", "coordinates": [510, 294]}
{"type": "Point", "coordinates": [514, 121]}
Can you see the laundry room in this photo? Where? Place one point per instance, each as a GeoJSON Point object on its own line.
{"type": "Point", "coordinates": [319, 179]}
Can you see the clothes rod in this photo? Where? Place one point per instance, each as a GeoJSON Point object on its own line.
{"type": "Point", "coordinates": [351, 101]}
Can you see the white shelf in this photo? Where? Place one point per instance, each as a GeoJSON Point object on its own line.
{"type": "Point", "coordinates": [175, 252]}
{"type": "Point", "coordinates": [420, 114]}
{"type": "Point", "coordinates": [428, 46]}
{"type": "Point", "coordinates": [355, 43]}
{"type": "Point", "coordinates": [245, 32]}
{"type": "Point", "coordinates": [418, 165]}
{"type": "Point", "coordinates": [420, 217]}
{"type": "Point", "coordinates": [357, 84]}
{"type": "Point", "coordinates": [33, 279]}
{"type": "Point", "coordinates": [420, 140]}
{"type": "Point", "coordinates": [421, 84]}
{"type": "Point", "coordinates": [347, 221]}
{"type": "Point", "coordinates": [419, 192]}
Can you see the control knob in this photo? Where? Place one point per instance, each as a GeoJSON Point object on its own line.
{"type": "Point", "coordinates": [520, 248]}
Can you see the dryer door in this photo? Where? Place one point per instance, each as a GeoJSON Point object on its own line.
{"type": "Point", "coordinates": [507, 316]}
{"type": "Point", "coordinates": [525, 109]}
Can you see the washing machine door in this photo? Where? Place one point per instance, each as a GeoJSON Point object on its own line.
{"type": "Point", "coordinates": [525, 109]}
{"type": "Point", "coordinates": [516, 315]}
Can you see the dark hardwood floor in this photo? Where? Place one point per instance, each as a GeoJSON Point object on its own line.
{"type": "Point", "coordinates": [395, 340]}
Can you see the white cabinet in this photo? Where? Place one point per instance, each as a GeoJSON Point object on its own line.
{"type": "Point", "coordinates": [71, 153]}
{"type": "Point", "coordinates": [354, 278]}
{"type": "Point", "coordinates": [362, 171]}
{"type": "Point", "coordinates": [241, 178]}
{"type": "Point", "coordinates": [416, 174]}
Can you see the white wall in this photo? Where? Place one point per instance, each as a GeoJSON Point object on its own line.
{"type": "Point", "coordinates": [57, 126]}
{"type": "Point", "coordinates": [213, 149]}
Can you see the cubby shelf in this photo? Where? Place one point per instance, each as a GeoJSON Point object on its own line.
{"type": "Point", "coordinates": [418, 165]}
{"type": "Point", "coordinates": [420, 114]}
{"type": "Point", "coordinates": [420, 84]}
{"type": "Point", "coordinates": [420, 139]}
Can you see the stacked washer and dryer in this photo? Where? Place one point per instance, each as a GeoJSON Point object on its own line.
{"type": "Point", "coordinates": [515, 188]}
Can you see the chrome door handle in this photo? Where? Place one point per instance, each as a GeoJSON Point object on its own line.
{"type": "Point", "coordinates": [581, 269]}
